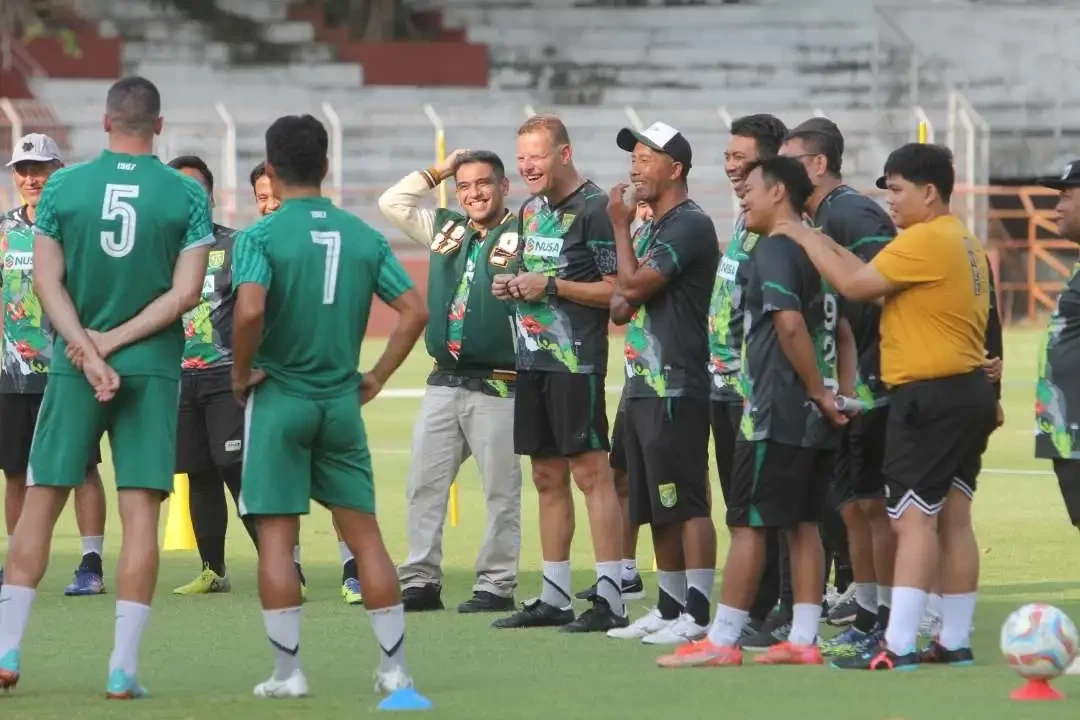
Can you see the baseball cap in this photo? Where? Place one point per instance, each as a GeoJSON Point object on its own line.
{"type": "Point", "coordinates": [35, 147]}
{"type": "Point", "coordinates": [1070, 177]}
{"type": "Point", "coordinates": [659, 136]}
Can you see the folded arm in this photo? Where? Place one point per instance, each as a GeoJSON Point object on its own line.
{"type": "Point", "coordinates": [187, 283]}
{"type": "Point", "coordinates": [594, 294]}
{"type": "Point", "coordinates": [55, 301]}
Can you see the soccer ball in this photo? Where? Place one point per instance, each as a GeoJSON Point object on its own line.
{"type": "Point", "coordinates": [1039, 641]}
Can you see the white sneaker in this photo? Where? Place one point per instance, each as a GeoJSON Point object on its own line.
{"type": "Point", "coordinates": [647, 624]}
{"type": "Point", "coordinates": [294, 686]}
{"type": "Point", "coordinates": [930, 625]}
{"type": "Point", "coordinates": [681, 632]}
{"type": "Point", "coordinates": [396, 679]}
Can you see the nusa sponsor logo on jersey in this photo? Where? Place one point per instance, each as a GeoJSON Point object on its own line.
{"type": "Point", "coordinates": [19, 261]}
{"type": "Point", "coordinates": [543, 247]}
{"type": "Point", "coordinates": [728, 269]}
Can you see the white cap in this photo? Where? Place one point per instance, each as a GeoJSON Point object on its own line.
{"type": "Point", "coordinates": [35, 147]}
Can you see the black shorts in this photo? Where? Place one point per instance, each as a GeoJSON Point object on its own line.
{"type": "Point", "coordinates": [210, 429]}
{"type": "Point", "coordinates": [18, 418]}
{"type": "Point", "coordinates": [725, 417]}
{"type": "Point", "coordinates": [936, 434]}
{"type": "Point", "coordinates": [617, 456]}
{"type": "Point", "coordinates": [778, 486]}
{"type": "Point", "coordinates": [860, 459]}
{"type": "Point", "coordinates": [559, 414]}
{"type": "Point", "coordinates": [667, 458]}
{"type": "Point", "coordinates": [1068, 475]}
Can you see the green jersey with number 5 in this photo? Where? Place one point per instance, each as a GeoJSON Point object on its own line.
{"type": "Point", "coordinates": [321, 267]}
{"type": "Point", "coordinates": [122, 221]}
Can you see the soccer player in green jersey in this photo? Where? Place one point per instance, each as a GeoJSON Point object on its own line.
{"type": "Point", "coordinates": [119, 255]}
{"type": "Point", "coordinates": [306, 277]}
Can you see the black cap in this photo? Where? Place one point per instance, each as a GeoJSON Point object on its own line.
{"type": "Point", "coordinates": [1070, 177]}
{"type": "Point", "coordinates": [661, 137]}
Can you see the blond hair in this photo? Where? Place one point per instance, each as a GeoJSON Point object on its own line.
{"type": "Point", "coordinates": [549, 123]}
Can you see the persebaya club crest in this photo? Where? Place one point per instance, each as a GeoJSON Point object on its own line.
{"type": "Point", "coordinates": [669, 495]}
{"type": "Point", "coordinates": [750, 241]}
{"type": "Point", "coordinates": [216, 260]}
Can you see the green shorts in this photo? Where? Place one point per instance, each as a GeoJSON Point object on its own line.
{"type": "Point", "coordinates": [140, 420]}
{"type": "Point", "coordinates": [299, 449]}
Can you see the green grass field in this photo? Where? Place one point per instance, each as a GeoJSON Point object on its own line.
{"type": "Point", "coordinates": [202, 656]}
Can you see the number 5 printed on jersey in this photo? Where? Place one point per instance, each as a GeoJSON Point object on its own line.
{"type": "Point", "coordinates": [332, 240]}
{"type": "Point", "coordinates": [112, 208]}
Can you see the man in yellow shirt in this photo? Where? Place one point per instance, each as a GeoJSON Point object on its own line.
{"type": "Point", "coordinates": [934, 283]}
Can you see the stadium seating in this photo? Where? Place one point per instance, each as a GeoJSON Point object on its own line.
{"type": "Point", "coordinates": [588, 63]}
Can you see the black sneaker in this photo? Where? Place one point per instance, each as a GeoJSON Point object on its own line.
{"type": "Point", "coordinates": [421, 598]}
{"type": "Point", "coordinates": [598, 618]}
{"type": "Point", "coordinates": [938, 654]}
{"type": "Point", "coordinates": [633, 589]}
{"type": "Point", "coordinates": [484, 601]}
{"type": "Point", "coordinates": [773, 631]}
{"type": "Point", "coordinates": [843, 613]}
{"type": "Point", "coordinates": [879, 659]}
{"type": "Point", "coordinates": [536, 613]}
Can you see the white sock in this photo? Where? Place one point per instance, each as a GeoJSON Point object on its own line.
{"type": "Point", "coordinates": [388, 625]}
{"type": "Point", "coordinates": [866, 595]}
{"type": "Point", "coordinates": [296, 554]}
{"type": "Point", "coordinates": [9, 542]}
{"type": "Point", "coordinates": [934, 603]}
{"type": "Point", "coordinates": [345, 552]}
{"type": "Point", "coordinates": [629, 569]}
{"type": "Point", "coordinates": [283, 632]}
{"type": "Point", "coordinates": [804, 622]}
{"type": "Point", "coordinates": [728, 625]}
{"type": "Point", "coordinates": [15, 604]}
{"type": "Point", "coordinates": [884, 595]}
{"type": "Point", "coordinates": [699, 586]}
{"type": "Point", "coordinates": [556, 588]}
{"type": "Point", "coordinates": [93, 544]}
{"type": "Point", "coordinates": [131, 620]}
{"type": "Point", "coordinates": [609, 585]}
{"type": "Point", "coordinates": [904, 618]}
{"type": "Point", "coordinates": [957, 613]}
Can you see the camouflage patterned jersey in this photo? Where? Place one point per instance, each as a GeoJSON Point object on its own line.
{"type": "Point", "coordinates": [780, 277]}
{"type": "Point", "coordinates": [1057, 395]}
{"type": "Point", "coordinates": [208, 328]}
{"type": "Point", "coordinates": [28, 336]}
{"type": "Point", "coordinates": [726, 315]}
{"type": "Point", "coordinates": [572, 241]}
{"type": "Point", "coordinates": [667, 346]}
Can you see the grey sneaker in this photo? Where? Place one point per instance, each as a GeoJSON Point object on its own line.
{"type": "Point", "coordinates": [774, 631]}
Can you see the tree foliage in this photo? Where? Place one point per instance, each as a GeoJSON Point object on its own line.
{"type": "Point", "coordinates": [27, 20]}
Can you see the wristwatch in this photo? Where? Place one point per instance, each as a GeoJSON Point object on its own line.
{"type": "Point", "coordinates": [552, 287]}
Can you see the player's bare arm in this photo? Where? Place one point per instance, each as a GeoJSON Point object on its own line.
{"type": "Point", "coordinates": [847, 357]}
{"type": "Point", "coordinates": [248, 314]}
{"type": "Point", "coordinates": [49, 269]}
{"type": "Point", "coordinates": [636, 281]}
{"type": "Point", "coordinates": [400, 204]}
{"type": "Point", "coordinates": [412, 318]}
{"type": "Point", "coordinates": [621, 310]}
{"type": "Point", "coordinates": [799, 349]}
{"type": "Point", "coordinates": [166, 309]}
{"type": "Point", "coordinates": [852, 278]}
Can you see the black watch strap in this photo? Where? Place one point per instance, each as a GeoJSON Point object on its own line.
{"type": "Point", "coordinates": [552, 287]}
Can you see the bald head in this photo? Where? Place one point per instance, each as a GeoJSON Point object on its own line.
{"type": "Point", "coordinates": [133, 107]}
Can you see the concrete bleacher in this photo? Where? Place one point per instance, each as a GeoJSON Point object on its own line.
{"type": "Point", "coordinates": [679, 64]}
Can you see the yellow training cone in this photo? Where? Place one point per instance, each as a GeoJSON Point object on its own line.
{"type": "Point", "coordinates": [454, 504]}
{"type": "Point", "coordinates": [179, 534]}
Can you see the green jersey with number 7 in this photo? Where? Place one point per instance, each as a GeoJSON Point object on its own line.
{"type": "Point", "coordinates": [321, 267]}
{"type": "Point", "coordinates": [122, 221]}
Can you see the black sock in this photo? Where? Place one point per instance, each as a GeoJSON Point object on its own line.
{"type": "Point", "coordinates": [697, 606]}
{"type": "Point", "coordinates": [209, 517]}
{"type": "Point", "coordinates": [91, 562]}
{"type": "Point", "coordinates": [864, 619]}
{"type": "Point", "coordinates": [883, 616]}
{"type": "Point", "coordinates": [231, 475]}
{"type": "Point", "coordinates": [668, 607]}
{"type": "Point", "coordinates": [348, 571]}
